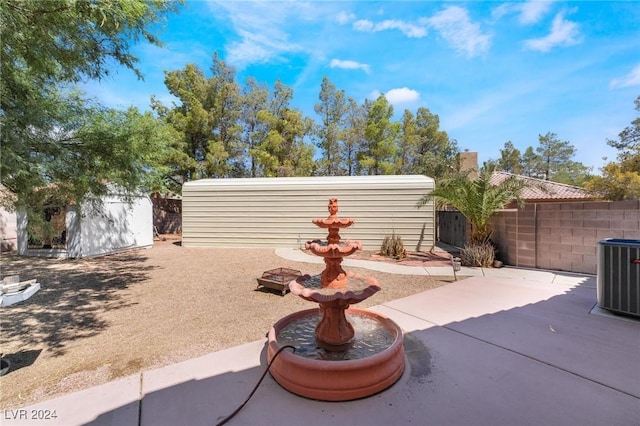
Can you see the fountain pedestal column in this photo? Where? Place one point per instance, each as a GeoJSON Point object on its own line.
{"type": "Point", "coordinates": [333, 275]}
{"type": "Point", "coordinates": [334, 332]}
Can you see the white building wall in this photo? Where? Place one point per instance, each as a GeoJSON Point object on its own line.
{"type": "Point", "coordinates": [8, 230]}
{"type": "Point", "coordinates": [74, 234]}
{"type": "Point", "coordinates": [21, 225]}
{"type": "Point", "coordinates": [115, 227]}
{"type": "Point", "coordinates": [277, 212]}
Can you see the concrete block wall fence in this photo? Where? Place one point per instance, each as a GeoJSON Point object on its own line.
{"type": "Point", "coordinates": [562, 236]}
{"type": "Point", "coordinates": [167, 215]}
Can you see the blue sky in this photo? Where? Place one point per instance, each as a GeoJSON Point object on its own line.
{"type": "Point", "coordinates": [492, 71]}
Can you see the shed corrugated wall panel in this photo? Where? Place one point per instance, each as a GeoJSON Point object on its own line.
{"type": "Point", "coordinates": [277, 212]}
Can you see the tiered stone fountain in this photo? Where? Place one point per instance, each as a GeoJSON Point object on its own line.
{"type": "Point", "coordinates": [342, 353]}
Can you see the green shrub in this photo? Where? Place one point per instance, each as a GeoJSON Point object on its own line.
{"type": "Point", "coordinates": [392, 246]}
{"type": "Point", "coordinates": [478, 254]}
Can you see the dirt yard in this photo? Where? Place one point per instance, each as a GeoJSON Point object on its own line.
{"type": "Point", "coordinates": [96, 320]}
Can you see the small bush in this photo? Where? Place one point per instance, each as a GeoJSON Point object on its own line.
{"type": "Point", "coordinates": [479, 255]}
{"type": "Point", "coordinates": [392, 246]}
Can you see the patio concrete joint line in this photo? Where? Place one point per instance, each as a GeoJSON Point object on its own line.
{"type": "Point", "coordinates": [538, 360]}
{"type": "Point", "coordinates": [410, 315]}
{"type": "Point", "coordinates": [140, 399]}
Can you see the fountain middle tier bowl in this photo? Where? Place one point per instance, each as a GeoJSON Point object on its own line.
{"type": "Point", "coordinates": [336, 378]}
{"type": "Point", "coordinates": [359, 288]}
{"type": "Point", "coordinates": [324, 249]}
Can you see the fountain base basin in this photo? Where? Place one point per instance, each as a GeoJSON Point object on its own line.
{"type": "Point", "coordinates": [337, 380]}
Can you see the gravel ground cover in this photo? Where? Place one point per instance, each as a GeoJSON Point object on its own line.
{"type": "Point", "coordinates": [96, 320]}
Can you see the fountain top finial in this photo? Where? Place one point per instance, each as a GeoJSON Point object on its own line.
{"type": "Point", "coordinates": [333, 207]}
{"type": "Point", "coordinates": [333, 221]}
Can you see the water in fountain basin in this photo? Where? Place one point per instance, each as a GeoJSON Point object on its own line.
{"type": "Point", "coordinates": [370, 338]}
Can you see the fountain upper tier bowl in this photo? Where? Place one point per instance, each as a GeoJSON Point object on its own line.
{"type": "Point", "coordinates": [333, 222]}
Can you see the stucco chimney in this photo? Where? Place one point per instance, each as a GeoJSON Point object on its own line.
{"type": "Point", "coordinates": [469, 162]}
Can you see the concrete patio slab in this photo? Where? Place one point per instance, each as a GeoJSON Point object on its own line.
{"type": "Point", "coordinates": [481, 351]}
{"type": "Point", "coordinates": [406, 321]}
{"type": "Point", "coordinates": [572, 279]}
{"type": "Point", "coordinates": [468, 382]}
{"type": "Point", "coordinates": [474, 297]}
{"type": "Point", "coordinates": [561, 332]}
{"type": "Point", "coordinates": [388, 267]}
{"type": "Point", "coordinates": [444, 271]}
{"type": "Point", "coordinates": [538, 275]}
{"type": "Point", "coordinates": [201, 391]}
{"type": "Point", "coordinates": [113, 403]}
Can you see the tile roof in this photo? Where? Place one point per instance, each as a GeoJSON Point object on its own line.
{"type": "Point", "coordinates": [544, 190]}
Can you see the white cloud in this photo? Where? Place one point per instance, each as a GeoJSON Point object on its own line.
{"type": "Point", "coordinates": [398, 96]}
{"type": "Point", "coordinates": [455, 26]}
{"type": "Point", "coordinates": [259, 47]}
{"type": "Point", "coordinates": [629, 80]}
{"type": "Point", "coordinates": [349, 65]}
{"type": "Point", "coordinates": [408, 29]}
{"type": "Point", "coordinates": [363, 25]}
{"type": "Point", "coordinates": [402, 95]}
{"type": "Point", "coordinates": [563, 33]}
{"type": "Point", "coordinates": [262, 29]}
{"type": "Point", "coordinates": [502, 10]}
{"type": "Point", "coordinates": [345, 17]}
{"type": "Point", "coordinates": [529, 12]}
{"type": "Point", "coordinates": [532, 11]}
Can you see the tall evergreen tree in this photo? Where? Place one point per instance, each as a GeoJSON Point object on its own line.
{"type": "Point", "coordinates": [378, 157]}
{"type": "Point", "coordinates": [255, 97]}
{"type": "Point", "coordinates": [355, 123]}
{"type": "Point", "coordinates": [531, 163]}
{"type": "Point", "coordinates": [551, 160]}
{"type": "Point", "coordinates": [209, 118]}
{"type": "Point", "coordinates": [628, 144]}
{"type": "Point", "coordinates": [283, 152]}
{"type": "Point", "coordinates": [556, 161]}
{"type": "Point", "coordinates": [553, 153]}
{"type": "Point", "coordinates": [332, 109]}
{"type": "Point", "coordinates": [510, 159]}
{"type": "Point", "coordinates": [191, 119]}
{"type": "Point", "coordinates": [407, 144]}
{"type": "Point", "coordinates": [224, 148]}
{"type": "Point", "coordinates": [436, 152]}
{"type": "Point", "coordinates": [620, 179]}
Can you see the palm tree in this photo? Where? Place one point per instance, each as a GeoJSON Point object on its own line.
{"type": "Point", "coordinates": [477, 199]}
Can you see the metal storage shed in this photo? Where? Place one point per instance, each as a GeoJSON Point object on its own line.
{"type": "Point", "coordinates": [277, 212]}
